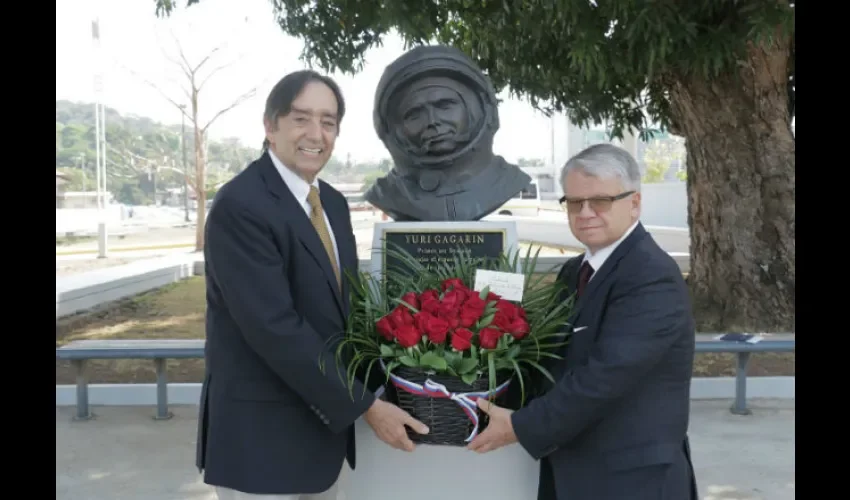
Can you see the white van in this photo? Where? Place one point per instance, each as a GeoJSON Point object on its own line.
{"type": "Point", "coordinates": [526, 203]}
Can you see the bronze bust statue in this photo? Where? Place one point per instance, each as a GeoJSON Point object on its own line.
{"type": "Point", "coordinates": [436, 113]}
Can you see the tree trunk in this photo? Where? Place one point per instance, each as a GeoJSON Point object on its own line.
{"type": "Point", "coordinates": [200, 174]}
{"type": "Point", "coordinates": [201, 191]}
{"type": "Point", "coordinates": [741, 193]}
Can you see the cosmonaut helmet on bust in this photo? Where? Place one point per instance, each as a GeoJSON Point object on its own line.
{"type": "Point", "coordinates": [436, 113]}
{"type": "Point", "coordinates": [435, 109]}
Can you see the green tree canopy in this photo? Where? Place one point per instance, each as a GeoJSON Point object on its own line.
{"type": "Point", "coordinates": [597, 61]}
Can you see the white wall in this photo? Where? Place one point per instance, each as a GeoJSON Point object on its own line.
{"type": "Point", "coordinates": [665, 204]}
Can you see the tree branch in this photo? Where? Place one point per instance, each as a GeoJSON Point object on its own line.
{"type": "Point", "coordinates": [155, 87]}
{"type": "Point", "coordinates": [204, 60]}
{"type": "Point", "coordinates": [239, 100]}
{"type": "Point", "coordinates": [185, 64]}
{"type": "Point", "coordinates": [213, 72]}
{"type": "Point", "coordinates": [177, 63]}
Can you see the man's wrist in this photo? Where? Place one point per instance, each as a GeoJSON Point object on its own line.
{"type": "Point", "coordinates": [376, 404]}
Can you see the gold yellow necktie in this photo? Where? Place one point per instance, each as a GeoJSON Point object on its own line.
{"type": "Point", "coordinates": [318, 219]}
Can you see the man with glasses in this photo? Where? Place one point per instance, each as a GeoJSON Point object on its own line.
{"type": "Point", "coordinates": [614, 425]}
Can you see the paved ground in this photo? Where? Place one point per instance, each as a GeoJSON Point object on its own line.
{"type": "Point", "coordinates": [125, 455]}
{"type": "Point", "coordinates": [84, 263]}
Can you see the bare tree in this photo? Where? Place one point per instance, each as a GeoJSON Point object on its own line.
{"type": "Point", "coordinates": [194, 76]}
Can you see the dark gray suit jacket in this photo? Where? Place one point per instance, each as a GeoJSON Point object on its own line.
{"type": "Point", "coordinates": [270, 421]}
{"type": "Point", "coordinates": [614, 427]}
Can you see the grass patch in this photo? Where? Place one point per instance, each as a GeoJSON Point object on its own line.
{"type": "Point", "coordinates": [177, 312]}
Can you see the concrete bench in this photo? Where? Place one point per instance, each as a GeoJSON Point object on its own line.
{"type": "Point", "coordinates": [707, 342]}
{"type": "Point", "coordinates": [80, 351]}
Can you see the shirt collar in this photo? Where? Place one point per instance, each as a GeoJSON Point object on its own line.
{"type": "Point", "coordinates": [299, 187]}
{"type": "Point", "coordinates": [597, 259]}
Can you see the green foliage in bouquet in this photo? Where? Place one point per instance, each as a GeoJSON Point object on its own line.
{"type": "Point", "coordinates": [433, 320]}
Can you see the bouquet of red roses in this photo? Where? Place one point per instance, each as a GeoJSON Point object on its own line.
{"type": "Point", "coordinates": [447, 325]}
{"type": "Point", "coordinates": [436, 338]}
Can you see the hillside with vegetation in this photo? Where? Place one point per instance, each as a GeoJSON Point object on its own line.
{"type": "Point", "coordinates": [142, 156]}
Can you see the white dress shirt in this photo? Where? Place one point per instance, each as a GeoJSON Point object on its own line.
{"type": "Point", "coordinates": [597, 259]}
{"type": "Point", "coordinates": [300, 189]}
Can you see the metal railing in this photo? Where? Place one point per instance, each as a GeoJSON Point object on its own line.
{"type": "Point", "coordinates": [706, 343]}
{"type": "Point", "coordinates": [80, 351]}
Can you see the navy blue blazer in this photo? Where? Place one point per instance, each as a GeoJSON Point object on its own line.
{"type": "Point", "coordinates": [614, 426]}
{"type": "Point", "coordinates": [271, 422]}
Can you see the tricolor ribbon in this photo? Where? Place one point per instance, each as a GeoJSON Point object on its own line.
{"type": "Point", "coordinates": [466, 400]}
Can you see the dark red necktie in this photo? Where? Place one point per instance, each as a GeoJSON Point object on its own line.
{"type": "Point", "coordinates": [584, 275]}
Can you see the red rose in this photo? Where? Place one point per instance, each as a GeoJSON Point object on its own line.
{"type": "Point", "coordinates": [385, 327]}
{"type": "Point", "coordinates": [506, 313]}
{"type": "Point", "coordinates": [508, 308]}
{"type": "Point", "coordinates": [474, 300]}
{"type": "Point", "coordinates": [452, 299]}
{"type": "Point", "coordinates": [462, 339]}
{"type": "Point", "coordinates": [412, 299]}
{"type": "Point", "coordinates": [489, 337]}
{"type": "Point", "coordinates": [429, 301]}
{"type": "Point", "coordinates": [469, 317]}
{"type": "Point", "coordinates": [452, 316]}
{"type": "Point", "coordinates": [419, 320]}
{"type": "Point", "coordinates": [518, 328]}
{"type": "Point", "coordinates": [501, 321]}
{"type": "Point", "coordinates": [435, 327]}
{"type": "Point", "coordinates": [471, 310]}
{"type": "Point", "coordinates": [493, 296]}
{"type": "Point", "coordinates": [453, 319]}
{"type": "Point", "coordinates": [455, 283]}
{"type": "Point", "coordinates": [407, 335]}
{"type": "Point", "coordinates": [400, 316]}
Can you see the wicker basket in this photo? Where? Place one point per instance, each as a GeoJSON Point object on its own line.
{"type": "Point", "coordinates": [446, 420]}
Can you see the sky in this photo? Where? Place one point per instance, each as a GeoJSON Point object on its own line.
{"type": "Point", "coordinates": [136, 46]}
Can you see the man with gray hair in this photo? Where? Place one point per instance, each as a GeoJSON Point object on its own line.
{"type": "Point", "coordinates": [614, 425]}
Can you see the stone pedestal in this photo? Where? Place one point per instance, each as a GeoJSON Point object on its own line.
{"type": "Point", "coordinates": [431, 472]}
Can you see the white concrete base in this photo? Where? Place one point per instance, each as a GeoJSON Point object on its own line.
{"type": "Point", "coordinates": [189, 394]}
{"type": "Point", "coordinates": [508, 473]}
{"type": "Point", "coordinates": [84, 291]}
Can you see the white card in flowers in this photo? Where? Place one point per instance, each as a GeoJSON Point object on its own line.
{"type": "Point", "coordinates": [508, 285]}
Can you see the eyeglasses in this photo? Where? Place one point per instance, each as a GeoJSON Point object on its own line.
{"type": "Point", "coordinates": [598, 204]}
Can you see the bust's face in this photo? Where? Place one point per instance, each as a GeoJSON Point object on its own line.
{"type": "Point", "coordinates": [433, 117]}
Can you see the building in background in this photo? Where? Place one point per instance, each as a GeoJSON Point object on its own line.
{"type": "Point", "coordinates": [61, 180]}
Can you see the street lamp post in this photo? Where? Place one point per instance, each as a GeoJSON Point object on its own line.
{"type": "Point", "coordinates": [100, 143]}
